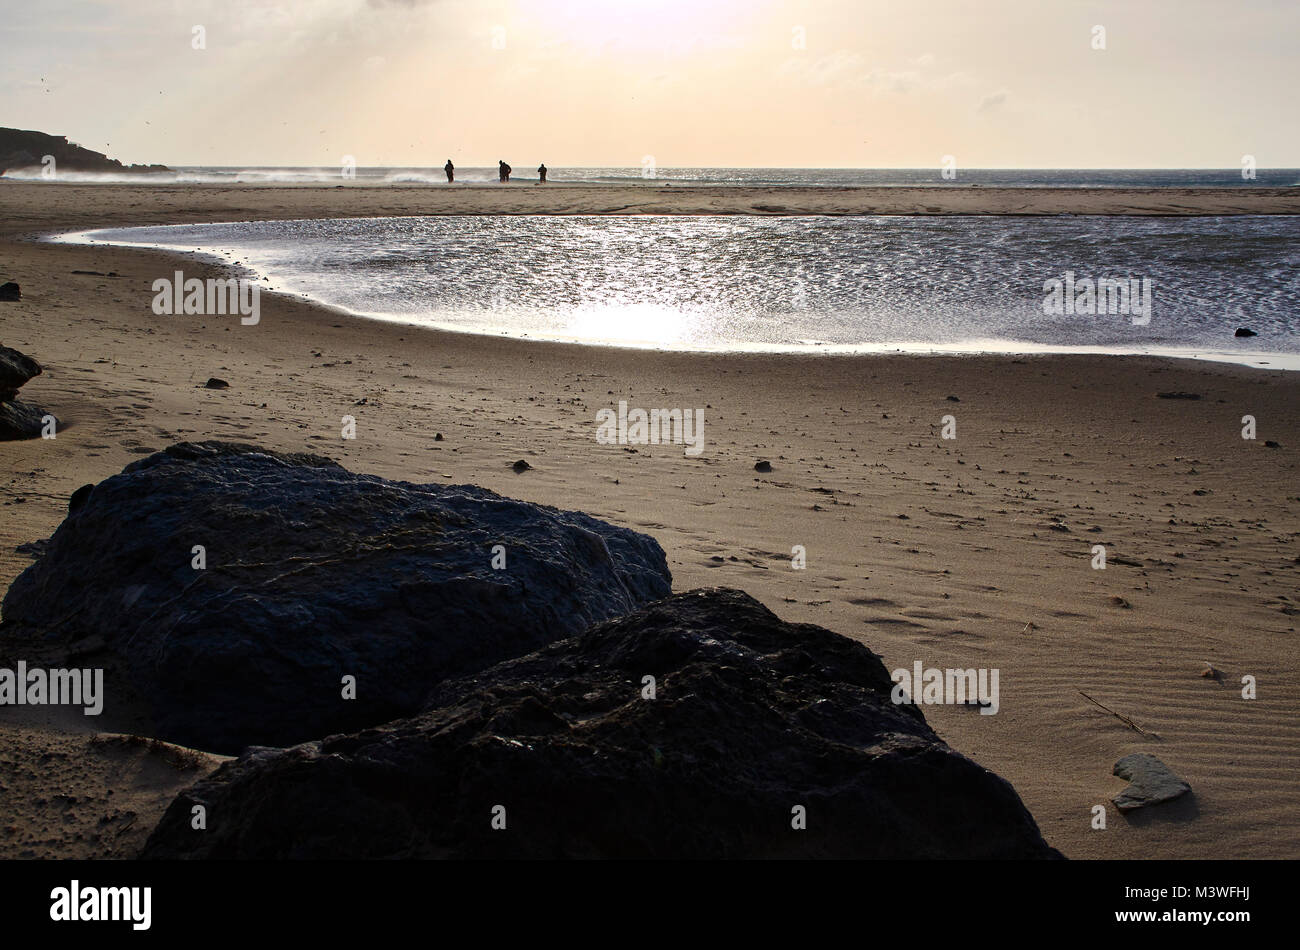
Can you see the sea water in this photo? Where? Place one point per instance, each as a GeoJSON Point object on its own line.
{"type": "Point", "coordinates": [945, 283]}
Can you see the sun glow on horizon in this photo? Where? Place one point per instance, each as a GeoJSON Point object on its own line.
{"type": "Point", "coordinates": [640, 26]}
{"type": "Point", "coordinates": [694, 83]}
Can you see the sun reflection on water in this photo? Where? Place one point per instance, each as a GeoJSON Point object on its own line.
{"type": "Point", "coordinates": [647, 324]}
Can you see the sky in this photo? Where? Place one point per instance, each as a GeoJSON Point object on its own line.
{"type": "Point", "coordinates": [729, 83]}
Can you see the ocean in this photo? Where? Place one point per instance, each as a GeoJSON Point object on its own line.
{"type": "Point", "coordinates": [1177, 286]}
{"type": "Point", "coordinates": [649, 174]}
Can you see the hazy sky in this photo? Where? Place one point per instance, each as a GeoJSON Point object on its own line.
{"type": "Point", "coordinates": [821, 83]}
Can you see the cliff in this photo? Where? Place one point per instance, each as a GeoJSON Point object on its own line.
{"type": "Point", "coordinates": [25, 149]}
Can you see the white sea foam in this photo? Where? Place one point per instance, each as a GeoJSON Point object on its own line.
{"type": "Point", "coordinates": [707, 177]}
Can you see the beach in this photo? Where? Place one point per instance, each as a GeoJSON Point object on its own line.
{"type": "Point", "coordinates": [31, 206]}
{"type": "Point", "coordinates": [975, 551]}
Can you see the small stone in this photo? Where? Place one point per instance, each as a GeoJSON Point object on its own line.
{"type": "Point", "coordinates": [521, 466]}
{"type": "Point", "coordinates": [763, 466]}
{"type": "Point", "coordinates": [1152, 782]}
{"type": "Point", "coordinates": [214, 383]}
{"type": "Point", "coordinates": [1245, 331]}
{"type": "Point", "coordinates": [10, 291]}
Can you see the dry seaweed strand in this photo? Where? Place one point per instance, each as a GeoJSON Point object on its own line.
{"type": "Point", "coordinates": [1122, 718]}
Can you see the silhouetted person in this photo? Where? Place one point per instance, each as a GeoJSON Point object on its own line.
{"type": "Point", "coordinates": [505, 171]}
{"type": "Point", "coordinates": [450, 169]}
{"type": "Point", "coordinates": [541, 174]}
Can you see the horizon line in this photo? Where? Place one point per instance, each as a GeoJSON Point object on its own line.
{"type": "Point", "coordinates": [848, 168]}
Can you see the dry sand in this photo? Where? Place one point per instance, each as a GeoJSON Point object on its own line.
{"type": "Point", "coordinates": [972, 553]}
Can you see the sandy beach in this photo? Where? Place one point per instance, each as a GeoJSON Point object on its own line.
{"type": "Point", "coordinates": [971, 552]}
{"type": "Point", "coordinates": [31, 206]}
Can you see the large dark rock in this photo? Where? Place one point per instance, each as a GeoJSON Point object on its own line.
{"type": "Point", "coordinates": [313, 573]}
{"type": "Point", "coordinates": [751, 718]}
{"type": "Point", "coordinates": [15, 370]}
{"type": "Point", "coordinates": [20, 420]}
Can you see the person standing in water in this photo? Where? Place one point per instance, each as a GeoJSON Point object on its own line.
{"type": "Point", "coordinates": [541, 174]}
{"type": "Point", "coordinates": [505, 171]}
{"type": "Point", "coordinates": [450, 169]}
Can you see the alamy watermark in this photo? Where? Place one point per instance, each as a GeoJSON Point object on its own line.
{"type": "Point", "coordinates": [652, 427]}
{"type": "Point", "coordinates": [174, 296]}
{"type": "Point", "coordinates": [59, 687]}
{"type": "Point", "coordinates": [1084, 296]}
{"type": "Point", "coordinates": [935, 687]}
{"type": "Point", "coordinates": [76, 903]}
